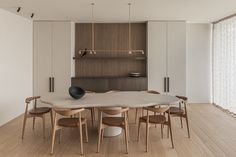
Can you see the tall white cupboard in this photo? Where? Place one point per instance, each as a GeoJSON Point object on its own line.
{"type": "Point", "coordinates": [167, 56]}
{"type": "Point", "coordinates": [51, 57]}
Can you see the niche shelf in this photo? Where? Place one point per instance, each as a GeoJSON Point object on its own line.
{"type": "Point", "coordinates": [110, 70]}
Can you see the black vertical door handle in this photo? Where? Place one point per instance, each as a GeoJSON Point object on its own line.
{"type": "Point", "coordinates": [164, 84]}
{"type": "Point", "coordinates": [168, 84]}
{"type": "Point", "coordinates": [51, 84]}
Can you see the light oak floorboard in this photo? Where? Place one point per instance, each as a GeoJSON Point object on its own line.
{"type": "Point", "coordinates": [213, 134]}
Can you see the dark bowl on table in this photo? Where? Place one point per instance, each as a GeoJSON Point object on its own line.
{"type": "Point", "coordinates": [76, 92]}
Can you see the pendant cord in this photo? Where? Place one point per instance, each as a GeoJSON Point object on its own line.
{"type": "Point", "coordinates": [129, 28]}
{"type": "Point", "coordinates": [92, 4]}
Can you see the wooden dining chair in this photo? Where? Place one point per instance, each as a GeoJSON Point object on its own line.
{"type": "Point", "coordinates": [35, 112]}
{"type": "Point", "coordinates": [181, 111]}
{"type": "Point", "coordinates": [136, 112]}
{"type": "Point", "coordinates": [114, 91]}
{"type": "Point", "coordinates": [67, 121]}
{"type": "Point", "coordinates": [159, 118]}
{"type": "Point", "coordinates": [105, 122]}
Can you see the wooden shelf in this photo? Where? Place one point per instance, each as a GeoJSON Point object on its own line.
{"type": "Point", "coordinates": [132, 58]}
{"type": "Point", "coordinates": [105, 77]}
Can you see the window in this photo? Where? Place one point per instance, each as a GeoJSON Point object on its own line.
{"type": "Point", "coordinates": [224, 64]}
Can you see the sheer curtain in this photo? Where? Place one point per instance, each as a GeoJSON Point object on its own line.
{"type": "Point", "coordinates": [224, 64]}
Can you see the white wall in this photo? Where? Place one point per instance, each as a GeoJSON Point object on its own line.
{"type": "Point", "coordinates": [199, 63]}
{"type": "Point", "coordinates": [15, 64]}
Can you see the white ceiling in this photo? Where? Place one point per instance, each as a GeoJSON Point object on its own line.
{"type": "Point", "coordinates": [117, 10]}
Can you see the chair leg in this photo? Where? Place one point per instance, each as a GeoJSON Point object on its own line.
{"type": "Point", "coordinates": [163, 126]}
{"type": "Point", "coordinates": [102, 133]}
{"type": "Point", "coordinates": [187, 126]}
{"type": "Point", "coordinates": [171, 136]}
{"type": "Point", "coordinates": [161, 130]}
{"type": "Point", "coordinates": [53, 139]}
{"type": "Point", "coordinates": [94, 113]}
{"type": "Point", "coordinates": [86, 131]}
{"type": "Point", "coordinates": [81, 138]}
{"type": "Point", "coordinates": [168, 130]}
{"type": "Point", "coordinates": [154, 115]}
{"type": "Point", "coordinates": [99, 139]}
{"type": "Point", "coordinates": [147, 136]}
{"type": "Point", "coordinates": [24, 123]}
{"type": "Point", "coordinates": [128, 115]}
{"type": "Point", "coordinates": [136, 115]}
{"type": "Point", "coordinates": [168, 126]}
{"type": "Point", "coordinates": [139, 126]}
{"type": "Point", "coordinates": [126, 138]}
{"type": "Point", "coordinates": [51, 115]}
{"type": "Point", "coordinates": [43, 117]}
{"type": "Point", "coordinates": [33, 122]}
{"type": "Point", "coordinates": [181, 121]}
{"type": "Point", "coordinates": [128, 135]}
{"type": "Point", "coordinates": [92, 116]}
{"type": "Point", "coordinates": [60, 132]}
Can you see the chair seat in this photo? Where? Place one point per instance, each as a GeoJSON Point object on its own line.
{"type": "Point", "coordinates": [70, 122]}
{"type": "Point", "coordinates": [157, 119]}
{"type": "Point", "coordinates": [113, 121]}
{"type": "Point", "coordinates": [176, 110]}
{"type": "Point", "coordinates": [40, 110]}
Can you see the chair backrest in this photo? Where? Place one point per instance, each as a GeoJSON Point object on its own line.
{"type": "Point", "coordinates": [182, 98]}
{"type": "Point", "coordinates": [153, 92]}
{"type": "Point", "coordinates": [157, 109]}
{"type": "Point", "coordinates": [67, 112]}
{"type": "Point", "coordinates": [184, 101]}
{"type": "Point", "coordinates": [113, 111]}
{"type": "Point", "coordinates": [29, 100]}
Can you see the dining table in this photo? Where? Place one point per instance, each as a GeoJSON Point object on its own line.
{"type": "Point", "coordinates": [131, 99]}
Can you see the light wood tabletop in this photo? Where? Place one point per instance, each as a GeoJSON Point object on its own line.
{"type": "Point", "coordinates": [132, 99]}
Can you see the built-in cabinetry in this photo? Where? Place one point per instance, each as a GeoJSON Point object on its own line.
{"type": "Point", "coordinates": [52, 56]}
{"type": "Point", "coordinates": [167, 57]}
{"type": "Point", "coordinates": [164, 56]}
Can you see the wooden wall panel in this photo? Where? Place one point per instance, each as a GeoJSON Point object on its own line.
{"type": "Point", "coordinates": [138, 36]}
{"type": "Point", "coordinates": [111, 36]}
{"type": "Point", "coordinates": [112, 67]}
{"type": "Point", "coordinates": [83, 36]}
{"type": "Point", "coordinates": [103, 64]}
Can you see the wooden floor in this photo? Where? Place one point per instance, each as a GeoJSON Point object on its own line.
{"type": "Point", "coordinates": [213, 133]}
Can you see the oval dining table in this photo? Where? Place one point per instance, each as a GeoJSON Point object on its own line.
{"type": "Point", "coordinates": [131, 99]}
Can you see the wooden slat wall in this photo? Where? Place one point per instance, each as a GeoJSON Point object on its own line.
{"type": "Point", "coordinates": [110, 36]}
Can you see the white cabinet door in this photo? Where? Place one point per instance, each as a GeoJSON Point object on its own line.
{"type": "Point", "coordinates": [62, 56]}
{"type": "Point", "coordinates": [156, 55]}
{"type": "Point", "coordinates": [176, 57]}
{"type": "Point", "coordinates": [42, 57]}
{"type": "Point", "coordinates": [52, 56]}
